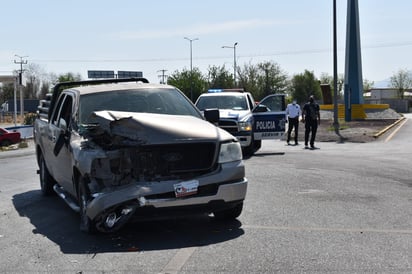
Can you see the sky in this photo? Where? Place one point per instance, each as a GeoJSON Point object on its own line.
{"type": "Point", "coordinates": [149, 36]}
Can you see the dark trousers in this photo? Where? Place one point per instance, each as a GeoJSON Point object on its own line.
{"type": "Point", "coordinates": [311, 126]}
{"type": "Point", "coordinates": [293, 123]}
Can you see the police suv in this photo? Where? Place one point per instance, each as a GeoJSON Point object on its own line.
{"type": "Point", "coordinates": [249, 122]}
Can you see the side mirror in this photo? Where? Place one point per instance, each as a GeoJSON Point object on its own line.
{"type": "Point", "coordinates": [63, 125]}
{"type": "Point", "coordinates": [260, 108]}
{"type": "Point", "coordinates": [212, 115]}
{"type": "Point", "coordinates": [63, 137]}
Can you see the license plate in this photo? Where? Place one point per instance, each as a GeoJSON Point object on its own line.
{"type": "Point", "coordinates": [186, 188]}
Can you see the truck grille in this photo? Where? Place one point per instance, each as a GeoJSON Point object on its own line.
{"type": "Point", "coordinates": [229, 125]}
{"type": "Point", "coordinates": [173, 161]}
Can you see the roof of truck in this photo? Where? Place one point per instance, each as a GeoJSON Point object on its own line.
{"type": "Point", "coordinates": [117, 86]}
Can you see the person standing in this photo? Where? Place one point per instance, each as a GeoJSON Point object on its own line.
{"type": "Point", "coordinates": [311, 118]}
{"type": "Point", "coordinates": [293, 112]}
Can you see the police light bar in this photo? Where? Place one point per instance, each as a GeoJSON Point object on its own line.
{"type": "Point", "coordinates": [216, 90]}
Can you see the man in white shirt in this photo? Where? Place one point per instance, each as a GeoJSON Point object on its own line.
{"type": "Point", "coordinates": [293, 112]}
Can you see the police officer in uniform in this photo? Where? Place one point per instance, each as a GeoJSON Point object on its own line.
{"type": "Point", "coordinates": [311, 118]}
{"type": "Point", "coordinates": [293, 113]}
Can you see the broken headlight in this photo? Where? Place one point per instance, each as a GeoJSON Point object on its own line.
{"type": "Point", "coordinates": [230, 152]}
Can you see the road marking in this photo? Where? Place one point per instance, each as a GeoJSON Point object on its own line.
{"type": "Point", "coordinates": [329, 229]}
{"type": "Point", "coordinates": [395, 131]}
{"type": "Point", "coordinates": [178, 260]}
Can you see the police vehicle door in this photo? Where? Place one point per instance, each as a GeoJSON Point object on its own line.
{"type": "Point", "coordinates": [270, 117]}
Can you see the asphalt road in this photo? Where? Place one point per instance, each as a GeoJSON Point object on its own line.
{"type": "Point", "coordinates": [342, 208]}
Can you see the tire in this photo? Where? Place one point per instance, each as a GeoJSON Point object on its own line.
{"type": "Point", "coordinates": [46, 180]}
{"type": "Point", "coordinates": [258, 145]}
{"type": "Point", "coordinates": [250, 149]}
{"type": "Point", "coordinates": [229, 214]}
{"type": "Point", "coordinates": [84, 198]}
{"type": "Point", "coordinates": [6, 143]}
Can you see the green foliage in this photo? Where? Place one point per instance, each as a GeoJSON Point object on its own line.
{"type": "Point", "coordinates": [29, 118]}
{"type": "Point", "coordinates": [191, 84]}
{"type": "Point", "coordinates": [303, 85]}
{"type": "Point", "coordinates": [263, 79]}
{"type": "Point", "coordinates": [69, 77]}
{"type": "Point", "coordinates": [219, 77]}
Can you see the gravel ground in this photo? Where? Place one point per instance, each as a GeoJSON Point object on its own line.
{"type": "Point", "coordinates": [354, 131]}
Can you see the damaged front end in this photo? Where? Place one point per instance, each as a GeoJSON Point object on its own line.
{"type": "Point", "coordinates": [144, 161]}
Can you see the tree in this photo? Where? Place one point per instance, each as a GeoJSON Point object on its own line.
{"type": "Point", "coordinates": [183, 81]}
{"type": "Point", "coordinates": [303, 85]}
{"type": "Point", "coordinates": [263, 79]}
{"type": "Point", "coordinates": [401, 81]}
{"type": "Point", "coordinates": [248, 79]}
{"type": "Point", "coordinates": [69, 77]}
{"type": "Point", "coordinates": [34, 75]}
{"type": "Point", "coordinates": [219, 77]}
{"type": "Point", "coordinates": [7, 92]}
{"type": "Point", "coordinates": [271, 78]}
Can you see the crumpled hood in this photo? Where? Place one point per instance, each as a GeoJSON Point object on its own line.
{"type": "Point", "coordinates": [149, 128]}
{"type": "Point", "coordinates": [233, 114]}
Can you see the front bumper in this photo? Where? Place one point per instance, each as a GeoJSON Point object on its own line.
{"type": "Point", "coordinates": [244, 138]}
{"type": "Point", "coordinates": [229, 182]}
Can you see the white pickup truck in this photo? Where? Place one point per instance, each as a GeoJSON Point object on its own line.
{"type": "Point", "coordinates": [241, 116]}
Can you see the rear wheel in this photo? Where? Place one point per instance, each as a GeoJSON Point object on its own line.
{"type": "Point", "coordinates": [86, 224]}
{"type": "Point", "coordinates": [229, 214]}
{"type": "Point", "coordinates": [46, 180]}
{"type": "Point", "coordinates": [6, 143]}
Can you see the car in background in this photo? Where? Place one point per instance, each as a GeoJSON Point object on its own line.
{"type": "Point", "coordinates": [8, 138]}
{"type": "Point", "coordinates": [235, 114]}
{"type": "Point", "coordinates": [246, 120]}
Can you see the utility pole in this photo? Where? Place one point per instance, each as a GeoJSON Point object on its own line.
{"type": "Point", "coordinates": [335, 76]}
{"type": "Point", "coordinates": [163, 76]}
{"type": "Point", "coordinates": [21, 63]}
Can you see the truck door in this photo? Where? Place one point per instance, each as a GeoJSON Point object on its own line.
{"type": "Point", "coordinates": [59, 157]}
{"type": "Point", "coordinates": [270, 117]}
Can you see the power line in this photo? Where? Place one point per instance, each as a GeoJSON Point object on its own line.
{"type": "Point", "coordinates": [250, 55]}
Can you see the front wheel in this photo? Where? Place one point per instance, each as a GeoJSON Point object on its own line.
{"type": "Point", "coordinates": [84, 197]}
{"type": "Point", "coordinates": [5, 143]}
{"type": "Point", "coordinates": [229, 214]}
{"type": "Point", "coordinates": [46, 180]}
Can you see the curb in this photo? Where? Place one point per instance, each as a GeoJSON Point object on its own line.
{"type": "Point", "coordinates": [388, 127]}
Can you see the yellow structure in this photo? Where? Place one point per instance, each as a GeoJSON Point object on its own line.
{"type": "Point", "coordinates": [357, 110]}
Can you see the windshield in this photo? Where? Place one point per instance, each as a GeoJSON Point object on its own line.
{"type": "Point", "coordinates": [162, 101]}
{"type": "Point", "coordinates": [222, 102]}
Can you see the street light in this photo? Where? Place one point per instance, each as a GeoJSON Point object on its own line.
{"type": "Point", "coordinates": [234, 59]}
{"type": "Point", "coordinates": [191, 67]}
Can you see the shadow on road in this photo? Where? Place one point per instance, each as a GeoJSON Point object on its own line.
{"type": "Point", "coordinates": [52, 218]}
